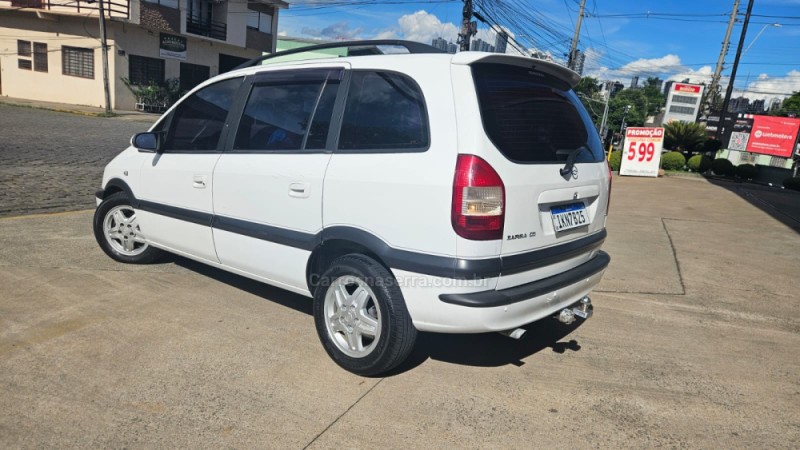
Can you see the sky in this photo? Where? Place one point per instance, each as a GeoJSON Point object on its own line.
{"type": "Point", "coordinates": [673, 40]}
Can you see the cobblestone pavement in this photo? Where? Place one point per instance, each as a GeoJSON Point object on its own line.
{"type": "Point", "coordinates": [52, 161]}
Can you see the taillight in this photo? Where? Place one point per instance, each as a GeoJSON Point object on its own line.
{"type": "Point", "coordinates": [478, 200]}
{"type": "Point", "coordinates": [610, 179]}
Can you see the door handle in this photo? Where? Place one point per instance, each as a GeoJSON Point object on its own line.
{"type": "Point", "coordinates": [299, 190]}
{"type": "Point", "coordinates": [199, 182]}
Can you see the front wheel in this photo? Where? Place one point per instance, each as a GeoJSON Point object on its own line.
{"type": "Point", "coordinates": [117, 231]}
{"type": "Point", "coordinates": [361, 316]}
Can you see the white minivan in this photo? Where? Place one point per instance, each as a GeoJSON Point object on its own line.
{"type": "Point", "coordinates": [462, 193]}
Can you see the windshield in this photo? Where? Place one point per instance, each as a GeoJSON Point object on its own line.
{"type": "Point", "coordinates": [532, 121]}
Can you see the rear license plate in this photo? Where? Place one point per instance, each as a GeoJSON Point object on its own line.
{"type": "Point", "coordinates": [566, 217]}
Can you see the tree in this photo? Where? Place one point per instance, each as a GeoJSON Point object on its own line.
{"type": "Point", "coordinates": [588, 90]}
{"type": "Point", "coordinates": [684, 136]}
{"type": "Point", "coordinates": [791, 105]}
{"type": "Point", "coordinates": [618, 104]}
{"type": "Point", "coordinates": [655, 99]}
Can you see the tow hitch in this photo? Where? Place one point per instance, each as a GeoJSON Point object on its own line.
{"type": "Point", "coordinates": [583, 309]}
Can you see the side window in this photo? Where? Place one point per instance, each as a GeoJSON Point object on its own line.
{"type": "Point", "coordinates": [282, 115]}
{"type": "Point", "coordinates": [198, 121]}
{"type": "Point", "coordinates": [384, 111]}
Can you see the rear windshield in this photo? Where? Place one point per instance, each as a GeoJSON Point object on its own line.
{"type": "Point", "coordinates": [531, 120]}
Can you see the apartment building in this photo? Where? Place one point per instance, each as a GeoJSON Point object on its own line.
{"type": "Point", "coordinates": [50, 49]}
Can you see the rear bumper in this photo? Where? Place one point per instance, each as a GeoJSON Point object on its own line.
{"type": "Point", "coordinates": [493, 298]}
{"type": "Point", "coordinates": [447, 306]}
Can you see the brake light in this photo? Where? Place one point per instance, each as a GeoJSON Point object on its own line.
{"type": "Point", "coordinates": [478, 200]}
{"type": "Point", "coordinates": [610, 179]}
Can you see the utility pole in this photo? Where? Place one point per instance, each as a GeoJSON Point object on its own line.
{"type": "Point", "coordinates": [468, 27]}
{"type": "Point", "coordinates": [605, 114]}
{"type": "Point", "coordinates": [574, 46]}
{"type": "Point", "coordinates": [729, 91]}
{"type": "Point", "coordinates": [104, 50]}
{"type": "Point", "coordinates": [712, 89]}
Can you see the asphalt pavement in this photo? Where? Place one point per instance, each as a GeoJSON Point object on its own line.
{"type": "Point", "coordinates": [693, 344]}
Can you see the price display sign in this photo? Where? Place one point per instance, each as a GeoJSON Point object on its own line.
{"type": "Point", "coordinates": [641, 153]}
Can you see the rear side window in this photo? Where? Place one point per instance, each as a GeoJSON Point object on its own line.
{"type": "Point", "coordinates": [198, 121]}
{"type": "Point", "coordinates": [384, 111]}
{"type": "Point", "coordinates": [530, 120]}
{"type": "Point", "coordinates": [277, 116]}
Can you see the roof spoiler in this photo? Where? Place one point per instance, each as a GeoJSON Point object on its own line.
{"type": "Point", "coordinates": [354, 48]}
{"type": "Point", "coordinates": [539, 65]}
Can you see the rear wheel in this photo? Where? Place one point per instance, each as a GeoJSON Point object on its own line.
{"type": "Point", "coordinates": [117, 230]}
{"type": "Point", "coordinates": [361, 316]}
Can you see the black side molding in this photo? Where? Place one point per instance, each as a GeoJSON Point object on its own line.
{"type": "Point", "coordinates": [283, 236]}
{"type": "Point", "coordinates": [187, 215]}
{"type": "Point", "coordinates": [489, 299]}
{"type": "Point", "coordinates": [460, 268]}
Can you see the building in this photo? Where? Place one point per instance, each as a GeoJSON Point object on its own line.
{"type": "Point", "coordinates": [667, 87]}
{"type": "Point", "coordinates": [635, 82]}
{"type": "Point", "coordinates": [443, 44]}
{"type": "Point", "coordinates": [580, 60]}
{"type": "Point", "coordinates": [50, 50]}
{"type": "Point", "coordinates": [739, 105]}
{"type": "Point", "coordinates": [775, 105]}
{"type": "Point", "coordinates": [659, 84]}
{"type": "Point", "coordinates": [683, 102]}
{"type": "Point", "coordinates": [616, 88]}
{"type": "Point", "coordinates": [757, 107]}
{"type": "Point", "coordinates": [501, 41]}
{"type": "Point", "coordinates": [479, 45]}
{"type": "Point", "coordinates": [440, 43]}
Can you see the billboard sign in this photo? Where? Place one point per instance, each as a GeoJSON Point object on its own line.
{"type": "Point", "coordinates": [171, 46]}
{"type": "Point", "coordinates": [642, 152]}
{"type": "Point", "coordinates": [687, 88]}
{"type": "Point", "coordinates": [774, 136]}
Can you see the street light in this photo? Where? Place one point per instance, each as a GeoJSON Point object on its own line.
{"type": "Point", "coordinates": [776, 25]}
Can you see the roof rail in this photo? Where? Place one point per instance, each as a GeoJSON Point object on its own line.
{"type": "Point", "coordinates": [354, 48]}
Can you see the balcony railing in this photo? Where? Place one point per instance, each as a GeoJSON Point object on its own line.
{"type": "Point", "coordinates": [208, 28]}
{"type": "Point", "coordinates": [113, 8]}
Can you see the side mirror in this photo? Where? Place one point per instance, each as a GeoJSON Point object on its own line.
{"type": "Point", "coordinates": [145, 142]}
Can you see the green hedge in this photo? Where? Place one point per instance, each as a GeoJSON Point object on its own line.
{"type": "Point", "coordinates": [722, 167]}
{"type": "Point", "coordinates": [792, 183]}
{"type": "Point", "coordinates": [673, 161]}
{"type": "Point", "coordinates": [699, 163]}
{"type": "Point", "coordinates": [615, 160]}
{"type": "Point", "coordinates": [746, 171]}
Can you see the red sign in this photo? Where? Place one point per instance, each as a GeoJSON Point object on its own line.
{"type": "Point", "coordinates": [775, 136]}
{"type": "Point", "coordinates": [692, 88]}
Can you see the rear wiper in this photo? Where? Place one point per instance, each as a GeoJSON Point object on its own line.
{"type": "Point", "coordinates": [567, 169]}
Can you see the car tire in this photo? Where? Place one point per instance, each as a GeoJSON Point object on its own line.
{"type": "Point", "coordinates": [117, 232]}
{"type": "Point", "coordinates": [361, 316]}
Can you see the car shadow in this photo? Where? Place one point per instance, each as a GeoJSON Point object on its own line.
{"type": "Point", "coordinates": [781, 204]}
{"type": "Point", "coordinates": [491, 349]}
{"type": "Point", "coordinates": [480, 350]}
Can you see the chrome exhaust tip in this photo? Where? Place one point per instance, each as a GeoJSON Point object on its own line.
{"type": "Point", "coordinates": [514, 334]}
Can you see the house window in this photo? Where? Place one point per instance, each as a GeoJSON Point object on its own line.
{"type": "Point", "coordinates": [39, 57]}
{"type": "Point", "coordinates": [24, 48]}
{"type": "Point", "coordinates": [259, 21]}
{"type": "Point", "coordinates": [166, 3]}
{"type": "Point", "coordinates": [143, 70]}
{"type": "Point", "coordinates": [24, 64]}
{"type": "Point", "coordinates": [77, 62]}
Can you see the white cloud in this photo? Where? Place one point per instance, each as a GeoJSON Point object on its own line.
{"type": "Point", "coordinates": [768, 87]}
{"type": "Point", "coordinates": [422, 26]}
